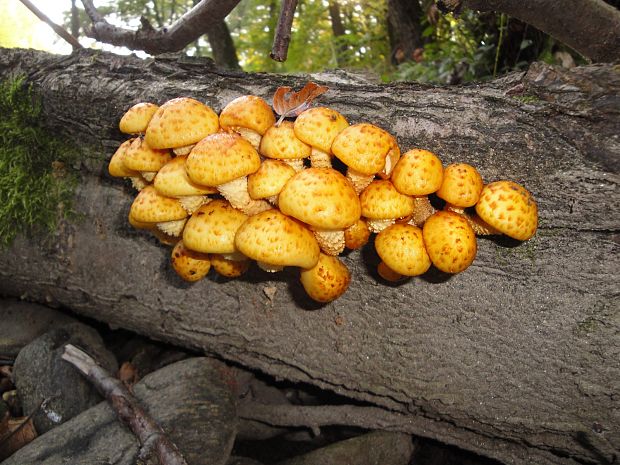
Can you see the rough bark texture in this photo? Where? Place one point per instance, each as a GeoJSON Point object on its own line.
{"type": "Point", "coordinates": [517, 358]}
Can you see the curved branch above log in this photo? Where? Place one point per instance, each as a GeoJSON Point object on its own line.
{"type": "Point", "coordinates": [516, 358]}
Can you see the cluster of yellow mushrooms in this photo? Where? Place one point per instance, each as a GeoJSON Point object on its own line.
{"type": "Point", "coordinates": [228, 189]}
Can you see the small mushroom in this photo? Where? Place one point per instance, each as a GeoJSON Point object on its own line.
{"type": "Point", "coordinates": [318, 127]}
{"type": "Point", "coordinates": [179, 124]}
{"type": "Point", "coordinates": [274, 240]}
{"type": "Point", "coordinates": [382, 204]}
{"type": "Point", "coordinates": [164, 212]}
{"type": "Point", "coordinates": [356, 236]}
{"type": "Point", "coordinates": [509, 208]}
{"type": "Point", "coordinates": [227, 267]}
{"type": "Point", "coordinates": [117, 167]}
{"type": "Point", "coordinates": [280, 142]}
{"type": "Point", "coordinates": [141, 157]}
{"type": "Point", "coordinates": [450, 241]}
{"type": "Point", "coordinates": [402, 251]}
{"type": "Point", "coordinates": [325, 200]}
{"type": "Point", "coordinates": [224, 161]}
{"type": "Point", "coordinates": [268, 181]}
{"type": "Point", "coordinates": [136, 119]}
{"type": "Point", "coordinates": [249, 116]}
{"type": "Point", "coordinates": [418, 173]}
{"type": "Point", "coordinates": [367, 150]}
{"type": "Point", "coordinates": [327, 280]}
{"type": "Point", "coordinates": [190, 265]}
{"type": "Point", "coordinates": [172, 181]}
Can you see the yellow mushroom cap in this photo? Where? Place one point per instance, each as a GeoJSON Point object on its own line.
{"type": "Point", "coordinates": [327, 280]}
{"type": "Point", "coordinates": [364, 147]}
{"type": "Point", "coordinates": [212, 228]}
{"type": "Point", "coordinates": [190, 265]}
{"type": "Point", "coordinates": [280, 142]}
{"type": "Point", "coordinates": [136, 119]}
{"type": "Point", "coordinates": [320, 197]}
{"type": "Point", "coordinates": [269, 179]}
{"type": "Point", "coordinates": [151, 207]}
{"type": "Point", "coordinates": [356, 236]}
{"type": "Point", "coordinates": [450, 241]}
{"type": "Point", "coordinates": [273, 238]}
{"type": "Point", "coordinates": [221, 158]}
{"type": "Point", "coordinates": [181, 122]}
{"type": "Point", "coordinates": [401, 247]}
{"type": "Point", "coordinates": [140, 156]}
{"type": "Point", "coordinates": [117, 167]}
{"type": "Point", "coordinates": [418, 172]}
{"type": "Point", "coordinates": [172, 180]}
{"type": "Point", "coordinates": [381, 201]}
{"type": "Point", "coordinates": [248, 111]}
{"type": "Point", "coordinates": [319, 127]}
{"type": "Point", "coordinates": [461, 185]}
{"type": "Point", "coordinates": [229, 268]}
{"type": "Point", "coordinates": [510, 208]}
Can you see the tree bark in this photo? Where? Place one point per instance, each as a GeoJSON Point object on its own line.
{"type": "Point", "coordinates": [405, 27]}
{"type": "Point", "coordinates": [517, 358]}
{"type": "Point", "coordinates": [222, 46]}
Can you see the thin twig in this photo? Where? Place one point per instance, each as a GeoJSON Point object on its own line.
{"type": "Point", "coordinates": [282, 37]}
{"type": "Point", "coordinates": [57, 29]}
{"type": "Point", "coordinates": [127, 407]}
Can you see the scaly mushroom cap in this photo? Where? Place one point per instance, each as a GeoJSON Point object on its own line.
{"type": "Point", "coordinates": [212, 228]}
{"type": "Point", "coordinates": [151, 207]}
{"type": "Point", "coordinates": [136, 119]}
{"type": "Point", "coordinates": [269, 179]}
{"type": "Point", "coordinates": [319, 127]}
{"type": "Point", "coordinates": [280, 142]}
{"type": "Point", "coordinates": [509, 208]}
{"type": "Point", "coordinates": [322, 198]}
{"type": "Point", "coordinates": [401, 247]}
{"type": "Point", "coordinates": [356, 236]}
{"type": "Point", "coordinates": [117, 167]}
{"type": "Point", "coordinates": [181, 122]}
{"type": "Point", "coordinates": [418, 172]}
{"type": "Point", "coordinates": [273, 238]}
{"type": "Point", "coordinates": [364, 148]}
{"type": "Point", "coordinates": [229, 268]}
{"type": "Point", "coordinates": [190, 265]}
{"type": "Point", "coordinates": [381, 201]}
{"type": "Point", "coordinates": [250, 112]}
{"type": "Point", "coordinates": [327, 280]}
{"type": "Point", "coordinates": [140, 156]}
{"type": "Point", "coordinates": [461, 185]}
{"type": "Point", "coordinates": [172, 180]}
{"type": "Point", "coordinates": [450, 241]}
{"type": "Point", "coordinates": [221, 158]}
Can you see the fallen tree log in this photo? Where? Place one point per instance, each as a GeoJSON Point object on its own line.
{"type": "Point", "coordinates": [517, 358]}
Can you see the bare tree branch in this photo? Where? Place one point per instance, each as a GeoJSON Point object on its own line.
{"type": "Point", "coordinates": [126, 406]}
{"type": "Point", "coordinates": [591, 27]}
{"type": "Point", "coordinates": [282, 36]}
{"type": "Point", "coordinates": [185, 30]}
{"type": "Point", "coordinates": [57, 29]}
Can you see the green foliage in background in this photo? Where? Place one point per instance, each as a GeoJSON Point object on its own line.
{"type": "Point", "coordinates": [36, 186]}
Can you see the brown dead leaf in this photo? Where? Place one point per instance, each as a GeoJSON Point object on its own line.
{"type": "Point", "coordinates": [6, 371]}
{"type": "Point", "coordinates": [288, 103]}
{"type": "Point", "coordinates": [19, 432]}
{"type": "Point", "coordinates": [128, 374]}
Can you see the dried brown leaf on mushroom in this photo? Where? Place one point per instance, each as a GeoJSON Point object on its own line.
{"type": "Point", "coordinates": [18, 433]}
{"type": "Point", "coordinates": [288, 103]}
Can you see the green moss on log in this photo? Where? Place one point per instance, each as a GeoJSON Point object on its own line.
{"type": "Point", "coordinates": [36, 181]}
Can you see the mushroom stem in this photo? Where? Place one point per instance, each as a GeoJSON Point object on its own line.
{"type": "Point", "coordinates": [480, 227]}
{"type": "Point", "coordinates": [296, 163]}
{"type": "Point", "coordinates": [422, 210]}
{"type": "Point", "coordinates": [377, 226]}
{"type": "Point", "coordinates": [138, 182]}
{"type": "Point", "coordinates": [320, 159]}
{"type": "Point", "coordinates": [360, 181]}
{"type": "Point", "coordinates": [331, 242]}
{"type": "Point", "coordinates": [236, 192]}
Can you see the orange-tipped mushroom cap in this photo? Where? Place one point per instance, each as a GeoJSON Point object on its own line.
{"type": "Point", "coordinates": [450, 241]}
{"type": "Point", "coordinates": [319, 126]}
{"type": "Point", "coordinates": [221, 158]}
{"type": "Point", "coordinates": [327, 280]}
{"type": "Point", "coordinates": [364, 148]}
{"type": "Point", "coordinates": [461, 185]}
{"type": "Point", "coordinates": [401, 247]}
{"type": "Point", "coordinates": [212, 228]}
{"type": "Point", "coordinates": [510, 208]}
{"type": "Point", "coordinates": [280, 142]}
{"type": "Point", "coordinates": [274, 239]}
{"type": "Point", "coordinates": [322, 198]}
{"type": "Point", "coordinates": [250, 112]}
{"type": "Point", "coordinates": [181, 122]}
{"type": "Point", "coordinates": [136, 119]}
{"type": "Point", "coordinates": [418, 172]}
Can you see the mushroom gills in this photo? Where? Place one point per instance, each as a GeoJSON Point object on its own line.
{"type": "Point", "coordinates": [172, 228]}
{"type": "Point", "coordinates": [331, 242]}
{"type": "Point", "coordinates": [236, 192]}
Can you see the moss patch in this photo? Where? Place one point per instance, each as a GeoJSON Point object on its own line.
{"type": "Point", "coordinates": [36, 182]}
